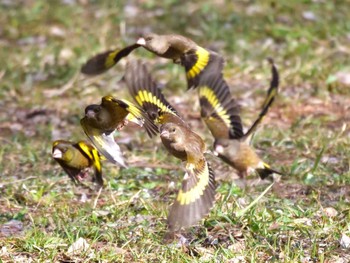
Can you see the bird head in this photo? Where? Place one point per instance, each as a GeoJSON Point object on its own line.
{"type": "Point", "coordinates": [148, 39]}
{"type": "Point", "coordinates": [61, 150]}
{"type": "Point", "coordinates": [220, 145]}
{"type": "Point", "coordinates": [92, 111]}
{"type": "Point", "coordinates": [154, 43]}
{"type": "Point", "coordinates": [171, 132]}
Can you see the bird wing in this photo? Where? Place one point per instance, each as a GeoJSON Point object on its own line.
{"type": "Point", "coordinates": [198, 61]}
{"type": "Point", "coordinates": [219, 110]}
{"type": "Point", "coordinates": [104, 143]}
{"type": "Point", "coordinates": [271, 94]}
{"type": "Point", "coordinates": [72, 172]}
{"type": "Point", "coordinates": [94, 156]}
{"type": "Point", "coordinates": [104, 61]}
{"type": "Point", "coordinates": [135, 113]}
{"type": "Point", "coordinates": [195, 198]}
{"type": "Point", "coordinates": [140, 116]}
{"type": "Point", "coordinates": [145, 91]}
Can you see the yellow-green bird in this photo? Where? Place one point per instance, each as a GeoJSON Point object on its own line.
{"type": "Point", "coordinates": [197, 194]}
{"type": "Point", "coordinates": [77, 158]}
{"type": "Point", "coordinates": [100, 122]}
{"type": "Point", "coordinates": [220, 112]}
{"type": "Point", "coordinates": [195, 59]}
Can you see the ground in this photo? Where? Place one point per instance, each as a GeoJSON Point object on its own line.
{"type": "Point", "coordinates": [304, 217]}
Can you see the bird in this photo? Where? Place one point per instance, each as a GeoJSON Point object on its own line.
{"type": "Point", "coordinates": [195, 59]}
{"type": "Point", "coordinates": [77, 158]}
{"type": "Point", "coordinates": [197, 193]}
{"type": "Point", "coordinates": [220, 113]}
{"type": "Point", "coordinates": [100, 122]}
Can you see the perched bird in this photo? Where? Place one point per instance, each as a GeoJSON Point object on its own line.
{"type": "Point", "coordinates": [197, 194]}
{"type": "Point", "coordinates": [195, 59]}
{"type": "Point", "coordinates": [77, 158]}
{"type": "Point", "coordinates": [220, 112]}
{"type": "Point", "coordinates": [112, 114]}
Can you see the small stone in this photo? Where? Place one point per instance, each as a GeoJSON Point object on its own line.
{"type": "Point", "coordinates": [330, 212]}
{"type": "Point", "coordinates": [344, 241]}
{"type": "Point", "coordinates": [79, 246]}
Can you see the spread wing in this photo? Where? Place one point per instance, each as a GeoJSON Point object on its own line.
{"type": "Point", "coordinates": [94, 156]}
{"type": "Point", "coordinates": [145, 91]}
{"type": "Point", "coordinates": [199, 61]}
{"type": "Point", "coordinates": [134, 113]}
{"type": "Point", "coordinates": [104, 143]}
{"type": "Point", "coordinates": [138, 114]}
{"type": "Point", "coordinates": [195, 198]}
{"type": "Point", "coordinates": [271, 94]}
{"type": "Point", "coordinates": [219, 110]}
{"type": "Point", "coordinates": [104, 61]}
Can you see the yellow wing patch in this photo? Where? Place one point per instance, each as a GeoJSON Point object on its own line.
{"type": "Point", "coordinates": [203, 58]}
{"type": "Point", "coordinates": [86, 149]}
{"type": "Point", "coordinates": [110, 59]}
{"type": "Point", "coordinates": [92, 153]}
{"type": "Point", "coordinates": [133, 109]}
{"type": "Point", "coordinates": [97, 162]}
{"type": "Point", "coordinates": [188, 197]}
{"type": "Point", "coordinates": [209, 94]}
{"type": "Point", "coordinates": [147, 96]}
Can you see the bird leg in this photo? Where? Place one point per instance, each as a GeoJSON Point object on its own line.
{"type": "Point", "coordinates": [83, 174]}
{"type": "Point", "coordinates": [122, 124]}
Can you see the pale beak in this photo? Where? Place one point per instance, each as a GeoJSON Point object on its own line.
{"type": "Point", "coordinates": [141, 41]}
{"type": "Point", "coordinates": [57, 154]}
{"type": "Point", "coordinates": [164, 134]}
{"type": "Point", "coordinates": [90, 114]}
{"type": "Point", "coordinates": [218, 149]}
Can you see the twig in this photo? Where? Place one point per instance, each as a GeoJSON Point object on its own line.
{"type": "Point", "coordinates": [244, 210]}
{"type": "Point", "coordinates": [130, 199]}
{"type": "Point", "coordinates": [18, 181]}
{"type": "Point", "coordinates": [97, 197]}
{"type": "Point", "coordinates": [155, 165]}
{"type": "Point", "coordinates": [62, 89]}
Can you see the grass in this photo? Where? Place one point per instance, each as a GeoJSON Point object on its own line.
{"type": "Point", "coordinates": [305, 134]}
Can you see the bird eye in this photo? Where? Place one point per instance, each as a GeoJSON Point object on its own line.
{"type": "Point", "coordinates": [173, 130]}
{"type": "Point", "coordinates": [149, 38]}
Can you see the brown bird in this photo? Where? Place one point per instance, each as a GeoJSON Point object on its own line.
{"type": "Point", "coordinates": [197, 194]}
{"type": "Point", "coordinates": [77, 158]}
{"type": "Point", "coordinates": [195, 59]}
{"type": "Point", "coordinates": [220, 112]}
{"type": "Point", "coordinates": [112, 114]}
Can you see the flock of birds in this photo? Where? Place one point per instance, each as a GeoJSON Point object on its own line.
{"type": "Point", "coordinates": [219, 111]}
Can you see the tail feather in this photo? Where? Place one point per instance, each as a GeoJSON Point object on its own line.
{"type": "Point", "coordinates": [266, 171]}
{"type": "Point", "coordinates": [271, 94]}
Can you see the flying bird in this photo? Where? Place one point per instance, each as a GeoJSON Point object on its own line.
{"type": "Point", "coordinates": [77, 158]}
{"type": "Point", "coordinates": [220, 113]}
{"type": "Point", "coordinates": [100, 122]}
{"type": "Point", "coordinates": [197, 193]}
{"type": "Point", "coordinates": [182, 50]}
